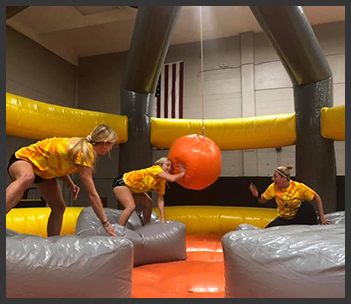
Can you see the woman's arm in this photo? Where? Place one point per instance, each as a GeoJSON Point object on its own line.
{"type": "Point", "coordinates": [171, 177]}
{"type": "Point", "coordinates": [319, 204]}
{"type": "Point", "coordinates": [86, 176]}
{"type": "Point", "coordinates": [256, 195]}
{"type": "Point", "coordinates": [161, 206]}
{"type": "Point", "coordinates": [71, 186]}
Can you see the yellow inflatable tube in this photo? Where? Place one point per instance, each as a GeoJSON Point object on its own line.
{"type": "Point", "coordinates": [268, 131]}
{"type": "Point", "coordinates": [38, 120]}
{"type": "Point", "coordinates": [217, 220]}
{"type": "Point", "coordinates": [200, 220]}
{"type": "Point", "coordinates": [34, 220]}
{"type": "Point", "coordinates": [333, 123]}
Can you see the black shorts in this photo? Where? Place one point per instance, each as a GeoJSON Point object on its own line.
{"type": "Point", "coordinates": [13, 159]}
{"type": "Point", "coordinates": [306, 215]}
{"type": "Point", "coordinates": [118, 182]}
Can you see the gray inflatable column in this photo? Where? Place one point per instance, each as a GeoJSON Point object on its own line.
{"type": "Point", "coordinates": [292, 36]}
{"type": "Point", "coordinates": [315, 155]}
{"type": "Point", "coordinates": [151, 38]}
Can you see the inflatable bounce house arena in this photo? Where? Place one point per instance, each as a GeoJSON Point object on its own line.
{"type": "Point", "coordinates": [200, 251]}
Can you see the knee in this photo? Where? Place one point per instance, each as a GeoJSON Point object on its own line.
{"type": "Point", "coordinates": [149, 205]}
{"type": "Point", "coordinates": [59, 208]}
{"type": "Point", "coordinates": [26, 180]}
{"type": "Point", "coordinates": [130, 208]}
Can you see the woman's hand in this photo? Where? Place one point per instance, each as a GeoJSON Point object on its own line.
{"type": "Point", "coordinates": [86, 176]}
{"type": "Point", "coordinates": [181, 167]}
{"type": "Point", "coordinates": [71, 186]}
{"type": "Point", "coordinates": [324, 221]}
{"type": "Point", "coordinates": [319, 205]}
{"type": "Point", "coordinates": [253, 190]}
{"type": "Point", "coordinates": [74, 190]}
{"type": "Point", "coordinates": [109, 229]}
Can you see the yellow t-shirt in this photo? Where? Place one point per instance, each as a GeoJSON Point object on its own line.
{"type": "Point", "coordinates": [289, 199]}
{"type": "Point", "coordinates": [50, 158]}
{"type": "Point", "coordinates": [145, 180]}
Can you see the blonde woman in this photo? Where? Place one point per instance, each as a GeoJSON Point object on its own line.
{"type": "Point", "coordinates": [292, 198]}
{"type": "Point", "coordinates": [43, 162]}
{"type": "Point", "coordinates": [131, 188]}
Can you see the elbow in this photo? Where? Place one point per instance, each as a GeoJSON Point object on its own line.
{"type": "Point", "coordinates": [171, 179]}
{"type": "Point", "coordinates": [178, 176]}
{"type": "Point", "coordinates": [262, 201]}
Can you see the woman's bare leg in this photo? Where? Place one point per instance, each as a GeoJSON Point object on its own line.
{"type": "Point", "coordinates": [146, 201]}
{"type": "Point", "coordinates": [125, 197]}
{"type": "Point", "coordinates": [51, 191]}
{"type": "Point", "coordinates": [23, 176]}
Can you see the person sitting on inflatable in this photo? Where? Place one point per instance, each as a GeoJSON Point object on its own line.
{"type": "Point", "coordinates": [131, 187]}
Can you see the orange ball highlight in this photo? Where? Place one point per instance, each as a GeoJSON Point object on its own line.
{"type": "Point", "coordinates": [201, 159]}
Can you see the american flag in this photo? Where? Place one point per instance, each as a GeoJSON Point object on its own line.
{"type": "Point", "coordinates": [169, 91]}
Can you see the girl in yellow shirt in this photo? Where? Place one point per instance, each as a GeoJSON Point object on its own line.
{"type": "Point", "coordinates": [41, 163]}
{"type": "Point", "coordinates": [132, 186]}
{"type": "Point", "coordinates": [292, 200]}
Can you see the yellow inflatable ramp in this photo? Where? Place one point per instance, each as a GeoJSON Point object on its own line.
{"type": "Point", "coordinates": [38, 120]}
{"type": "Point", "coordinates": [333, 123]}
{"type": "Point", "coordinates": [268, 131]}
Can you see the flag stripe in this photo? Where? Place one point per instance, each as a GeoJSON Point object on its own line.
{"type": "Point", "coordinates": [177, 92]}
{"type": "Point", "coordinates": [181, 79]}
{"type": "Point", "coordinates": [161, 96]}
{"type": "Point", "coordinates": [158, 106]}
{"type": "Point", "coordinates": [174, 73]}
{"type": "Point", "coordinates": [170, 91]}
{"type": "Point", "coordinates": [165, 115]}
{"type": "Point", "coordinates": [169, 96]}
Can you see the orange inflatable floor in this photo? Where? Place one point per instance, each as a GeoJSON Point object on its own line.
{"type": "Point", "coordinates": [201, 275]}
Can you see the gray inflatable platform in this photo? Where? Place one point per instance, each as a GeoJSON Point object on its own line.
{"type": "Point", "coordinates": [153, 243]}
{"type": "Point", "coordinates": [336, 218]}
{"type": "Point", "coordinates": [298, 261]}
{"type": "Point", "coordinates": [68, 266]}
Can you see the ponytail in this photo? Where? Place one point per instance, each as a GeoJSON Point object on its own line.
{"type": "Point", "coordinates": [80, 147]}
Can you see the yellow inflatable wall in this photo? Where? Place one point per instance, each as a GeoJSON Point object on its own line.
{"type": "Point", "coordinates": [217, 220]}
{"type": "Point", "coordinates": [200, 220]}
{"type": "Point", "coordinates": [34, 220]}
{"type": "Point", "coordinates": [268, 131]}
{"type": "Point", "coordinates": [38, 120]}
{"type": "Point", "coordinates": [333, 123]}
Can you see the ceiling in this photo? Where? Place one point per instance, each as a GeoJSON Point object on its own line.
{"type": "Point", "coordinates": [72, 32]}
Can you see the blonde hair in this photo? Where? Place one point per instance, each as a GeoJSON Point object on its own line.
{"type": "Point", "coordinates": [161, 161]}
{"type": "Point", "coordinates": [80, 145]}
{"type": "Point", "coordinates": [285, 171]}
